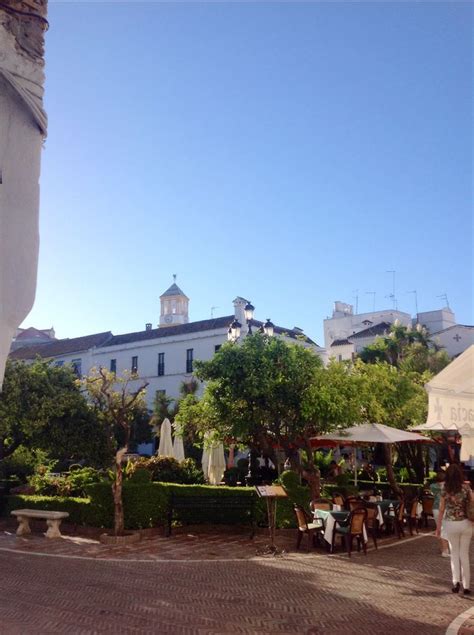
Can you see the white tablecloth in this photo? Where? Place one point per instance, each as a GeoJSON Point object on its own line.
{"type": "Point", "coordinates": [330, 524]}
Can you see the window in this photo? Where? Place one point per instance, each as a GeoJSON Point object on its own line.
{"type": "Point", "coordinates": [135, 364]}
{"type": "Point", "coordinates": [60, 362]}
{"type": "Point", "coordinates": [161, 364]}
{"type": "Point", "coordinates": [77, 367]}
{"type": "Point", "coordinates": [217, 347]}
{"type": "Point", "coordinates": [189, 360]}
{"type": "Point", "coordinates": [113, 365]}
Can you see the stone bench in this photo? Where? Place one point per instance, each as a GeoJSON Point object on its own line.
{"type": "Point", "coordinates": [53, 520]}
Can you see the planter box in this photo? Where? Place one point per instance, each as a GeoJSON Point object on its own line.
{"type": "Point", "coordinates": [129, 538]}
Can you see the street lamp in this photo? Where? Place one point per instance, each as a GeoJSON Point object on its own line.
{"type": "Point", "coordinates": [233, 334]}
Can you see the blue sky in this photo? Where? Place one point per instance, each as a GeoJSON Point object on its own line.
{"type": "Point", "coordinates": [289, 153]}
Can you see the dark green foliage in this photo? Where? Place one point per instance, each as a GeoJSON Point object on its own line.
{"type": "Point", "coordinates": [22, 463]}
{"type": "Point", "coordinates": [141, 475]}
{"type": "Point", "coordinates": [146, 505]}
{"type": "Point", "coordinates": [166, 469]}
{"type": "Point", "coordinates": [42, 407]}
{"type": "Point", "coordinates": [72, 483]}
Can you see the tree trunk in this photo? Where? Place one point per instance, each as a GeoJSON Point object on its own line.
{"type": "Point", "coordinates": [387, 448]}
{"type": "Point", "coordinates": [117, 493]}
{"type": "Point", "coordinates": [312, 473]}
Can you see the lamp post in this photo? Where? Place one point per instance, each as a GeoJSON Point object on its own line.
{"type": "Point", "coordinates": [233, 334]}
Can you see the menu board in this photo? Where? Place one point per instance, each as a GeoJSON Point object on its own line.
{"type": "Point", "coordinates": [271, 491]}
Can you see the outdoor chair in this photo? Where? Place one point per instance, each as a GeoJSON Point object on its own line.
{"type": "Point", "coordinates": [427, 502]}
{"type": "Point", "coordinates": [354, 502]}
{"type": "Point", "coordinates": [410, 515]}
{"type": "Point", "coordinates": [372, 523]}
{"type": "Point", "coordinates": [353, 529]}
{"type": "Point", "coordinates": [312, 528]}
{"type": "Point", "coordinates": [321, 503]}
{"type": "Point", "coordinates": [399, 519]}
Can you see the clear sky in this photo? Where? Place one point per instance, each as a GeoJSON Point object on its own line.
{"type": "Point", "coordinates": [290, 153]}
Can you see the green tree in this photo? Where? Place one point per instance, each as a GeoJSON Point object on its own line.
{"type": "Point", "coordinates": [118, 406]}
{"type": "Point", "coordinates": [406, 348]}
{"type": "Point", "coordinates": [267, 393]}
{"type": "Point", "coordinates": [41, 406]}
{"type": "Point", "coordinates": [396, 398]}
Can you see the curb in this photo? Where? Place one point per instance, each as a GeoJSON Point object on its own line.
{"type": "Point", "coordinates": [456, 624]}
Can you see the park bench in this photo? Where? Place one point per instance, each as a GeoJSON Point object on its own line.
{"type": "Point", "coordinates": [221, 509]}
{"type": "Point", "coordinates": [53, 520]}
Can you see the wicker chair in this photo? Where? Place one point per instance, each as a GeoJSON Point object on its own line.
{"type": "Point", "coordinates": [400, 519]}
{"type": "Point", "coordinates": [427, 502]}
{"type": "Point", "coordinates": [410, 515]}
{"type": "Point", "coordinates": [353, 529]}
{"type": "Point", "coordinates": [372, 523]}
{"type": "Point", "coordinates": [321, 503]}
{"type": "Point", "coordinates": [354, 502]}
{"type": "Point", "coordinates": [312, 528]}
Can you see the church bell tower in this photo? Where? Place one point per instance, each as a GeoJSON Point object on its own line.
{"type": "Point", "coordinates": [174, 306]}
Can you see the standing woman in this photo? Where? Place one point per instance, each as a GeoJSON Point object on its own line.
{"type": "Point", "coordinates": [455, 499]}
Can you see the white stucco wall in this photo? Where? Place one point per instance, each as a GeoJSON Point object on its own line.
{"type": "Point", "coordinates": [455, 340]}
{"type": "Point", "coordinates": [342, 327]}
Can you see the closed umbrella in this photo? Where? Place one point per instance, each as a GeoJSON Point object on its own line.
{"type": "Point", "coordinates": [178, 448]}
{"type": "Point", "coordinates": [166, 444]}
{"type": "Point", "coordinates": [216, 468]}
{"type": "Point", "coordinates": [205, 461]}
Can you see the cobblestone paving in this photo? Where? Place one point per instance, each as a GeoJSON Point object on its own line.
{"type": "Point", "coordinates": [400, 589]}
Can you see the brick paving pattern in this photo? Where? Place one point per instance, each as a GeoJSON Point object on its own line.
{"type": "Point", "coordinates": [184, 585]}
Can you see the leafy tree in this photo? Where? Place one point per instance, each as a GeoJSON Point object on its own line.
{"type": "Point", "coordinates": [395, 398]}
{"type": "Point", "coordinates": [41, 407]}
{"type": "Point", "coordinates": [406, 348]}
{"type": "Point", "coordinates": [266, 393]}
{"type": "Point", "coordinates": [118, 407]}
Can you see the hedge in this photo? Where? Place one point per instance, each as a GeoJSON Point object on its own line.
{"type": "Point", "coordinates": [79, 509]}
{"type": "Point", "coordinates": [146, 504]}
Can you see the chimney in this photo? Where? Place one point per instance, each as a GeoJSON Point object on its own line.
{"type": "Point", "coordinates": [148, 326]}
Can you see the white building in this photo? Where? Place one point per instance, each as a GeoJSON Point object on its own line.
{"type": "Point", "coordinates": [162, 356]}
{"type": "Point", "coordinates": [346, 333]}
{"type": "Point", "coordinates": [454, 339]}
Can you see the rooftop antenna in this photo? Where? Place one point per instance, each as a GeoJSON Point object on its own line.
{"type": "Point", "coordinates": [356, 291]}
{"type": "Point", "coordinates": [373, 294]}
{"type": "Point", "coordinates": [212, 310]}
{"type": "Point", "coordinates": [416, 302]}
{"type": "Point", "coordinates": [392, 295]}
{"type": "Point", "coordinates": [444, 296]}
{"type": "Point", "coordinates": [174, 277]}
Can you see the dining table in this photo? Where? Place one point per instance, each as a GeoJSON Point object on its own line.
{"type": "Point", "coordinates": [330, 518]}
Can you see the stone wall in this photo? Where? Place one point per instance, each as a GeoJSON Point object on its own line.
{"type": "Point", "coordinates": [26, 21]}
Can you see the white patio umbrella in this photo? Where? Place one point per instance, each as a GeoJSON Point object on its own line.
{"type": "Point", "coordinates": [216, 467]}
{"type": "Point", "coordinates": [178, 448]}
{"type": "Point", "coordinates": [165, 447]}
{"type": "Point", "coordinates": [205, 460]}
{"type": "Point", "coordinates": [370, 433]}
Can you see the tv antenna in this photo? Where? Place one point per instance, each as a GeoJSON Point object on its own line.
{"type": "Point", "coordinates": [392, 295]}
{"type": "Point", "coordinates": [356, 291]}
{"type": "Point", "coordinates": [444, 296]}
{"type": "Point", "coordinates": [416, 302]}
{"type": "Point", "coordinates": [212, 310]}
{"type": "Point", "coordinates": [373, 294]}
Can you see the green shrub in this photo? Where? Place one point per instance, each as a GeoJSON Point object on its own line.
{"type": "Point", "coordinates": [22, 463]}
{"type": "Point", "coordinates": [297, 494]}
{"type": "Point", "coordinates": [68, 484]}
{"type": "Point", "coordinates": [166, 469]}
{"type": "Point", "coordinates": [141, 475]}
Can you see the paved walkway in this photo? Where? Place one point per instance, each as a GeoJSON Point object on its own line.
{"type": "Point", "coordinates": [201, 583]}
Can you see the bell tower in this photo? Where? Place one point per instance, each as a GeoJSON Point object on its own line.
{"type": "Point", "coordinates": [174, 306]}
